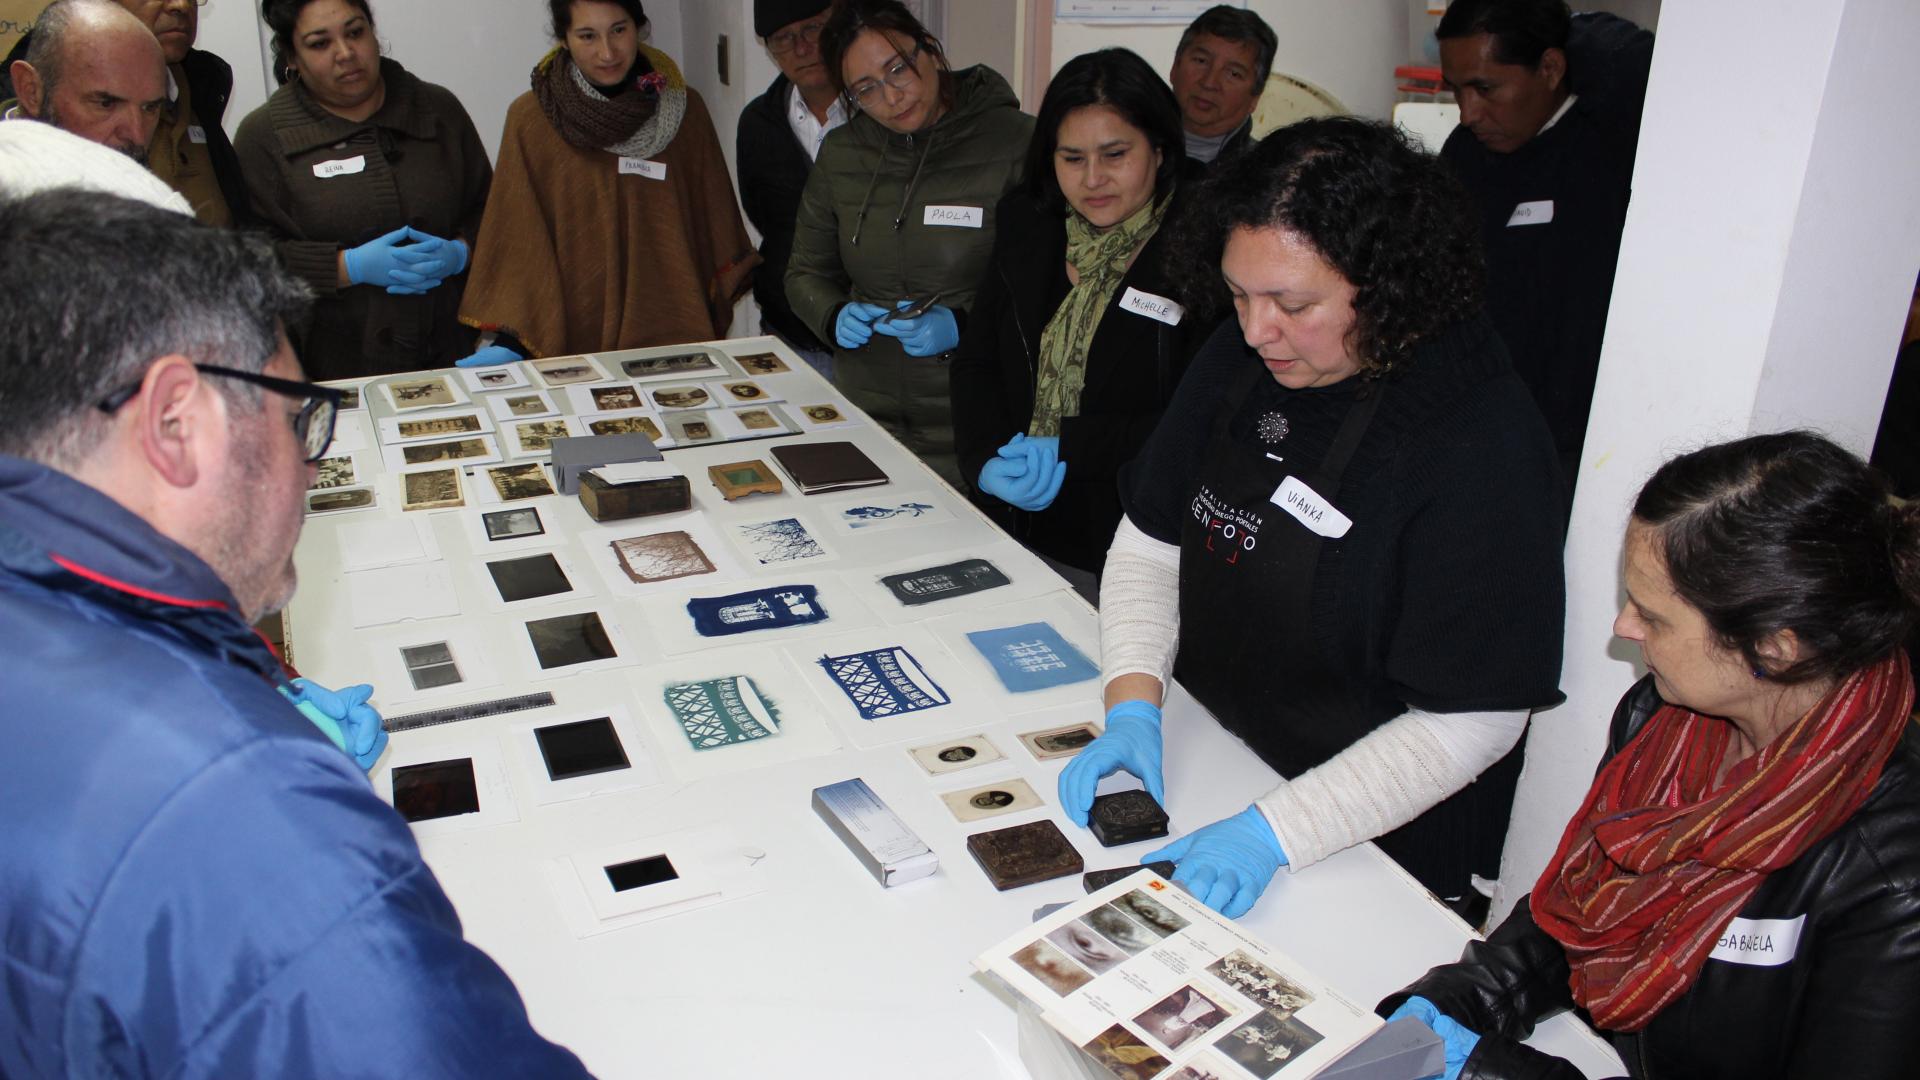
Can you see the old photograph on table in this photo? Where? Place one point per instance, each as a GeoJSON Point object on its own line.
{"type": "Point", "coordinates": [434, 427]}
{"type": "Point", "coordinates": [758, 422]}
{"type": "Point", "coordinates": [431, 489]}
{"type": "Point", "coordinates": [580, 753]}
{"type": "Point", "coordinates": [517, 579]}
{"type": "Point", "coordinates": [569, 371]}
{"type": "Point", "coordinates": [758, 364]}
{"type": "Point", "coordinates": [341, 500]}
{"type": "Point", "coordinates": [528, 438]}
{"type": "Point", "coordinates": [495, 529]}
{"type": "Point", "coordinates": [778, 541]}
{"type": "Point", "coordinates": [1046, 744]}
{"type": "Point", "coordinates": [648, 555]}
{"type": "Point", "coordinates": [452, 780]}
{"type": "Point", "coordinates": [693, 427]}
{"type": "Point", "coordinates": [569, 643]}
{"type": "Point", "coordinates": [1152, 955]}
{"type": "Point", "coordinates": [465, 452]}
{"type": "Point", "coordinates": [409, 393]}
{"type": "Point", "coordinates": [638, 422]}
{"type": "Point", "coordinates": [822, 415]}
{"type": "Point", "coordinates": [680, 396]}
{"type": "Point", "coordinates": [528, 404]}
{"type": "Point", "coordinates": [336, 471]}
{"type": "Point", "coordinates": [514, 483]}
{"type": "Point", "coordinates": [872, 513]}
{"type": "Point", "coordinates": [889, 685]}
{"type": "Point", "coordinates": [605, 398]}
{"type": "Point", "coordinates": [497, 377]}
{"type": "Point", "coordinates": [955, 754]}
{"type": "Point", "coordinates": [680, 363]}
{"type": "Point", "coordinates": [742, 392]}
{"type": "Point", "coordinates": [728, 710]}
{"type": "Point", "coordinates": [441, 661]}
{"type": "Point", "coordinates": [991, 800]}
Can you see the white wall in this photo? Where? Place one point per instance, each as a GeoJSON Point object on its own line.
{"type": "Point", "coordinates": [1764, 277]}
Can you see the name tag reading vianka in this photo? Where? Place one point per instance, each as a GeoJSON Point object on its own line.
{"type": "Point", "coordinates": [1153, 307]}
{"type": "Point", "coordinates": [959, 217]}
{"type": "Point", "coordinates": [1311, 509]}
{"type": "Point", "coordinates": [327, 170]}
{"type": "Point", "coordinates": [652, 170]}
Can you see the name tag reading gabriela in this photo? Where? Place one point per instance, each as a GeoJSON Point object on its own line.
{"type": "Point", "coordinates": [652, 170]}
{"type": "Point", "coordinates": [327, 170]}
{"type": "Point", "coordinates": [1312, 509]}
{"type": "Point", "coordinates": [1532, 213]}
{"type": "Point", "coordinates": [1759, 942]}
{"type": "Point", "coordinates": [959, 217]}
{"type": "Point", "coordinates": [1153, 307]}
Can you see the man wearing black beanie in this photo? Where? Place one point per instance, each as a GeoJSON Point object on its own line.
{"type": "Point", "coordinates": [779, 136]}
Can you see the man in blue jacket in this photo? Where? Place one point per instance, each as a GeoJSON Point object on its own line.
{"type": "Point", "coordinates": [197, 881]}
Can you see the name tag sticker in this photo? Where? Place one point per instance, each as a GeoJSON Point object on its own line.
{"type": "Point", "coordinates": [196, 133]}
{"type": "Point", "coordinates": [1532, 213]}
{"type": "Point", "coordinates": [1759, 942]}
{"type": "Point", "coordinates": [652, 170]}
{"type": "Point", "coordinates": [959, 217]}
{"type": "Point", "coordinates": [1311, 509]}
{"type": "Point", "coordinates": [327, 170]}
{"type": "Point", "coordinates": [1153, 307]}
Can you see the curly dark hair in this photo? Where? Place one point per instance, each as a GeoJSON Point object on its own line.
{"type": "Point", "coordinates": [1392, 220]}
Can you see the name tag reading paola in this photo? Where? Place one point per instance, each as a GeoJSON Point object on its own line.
{"type": "Point", "coordinates": [327, 170]}
{"type": "Point", "coordinates": [1310, 508]}
{"type": "Point", "coordinates": [1759, 942]}
{"type": "Point", "coordinates": [1532, 213]}
{"type": "Point", "coordinates": [652, 170]}
{"type": "Point", "coordinates": [1153, 307]}
{"type": "Point", "coordinates": [959, 217]}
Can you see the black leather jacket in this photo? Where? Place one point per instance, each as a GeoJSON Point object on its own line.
{"type": "Point", "coordinates": [1846, 1004]}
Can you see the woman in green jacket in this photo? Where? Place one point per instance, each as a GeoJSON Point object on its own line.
{"type": "Point", "coordinates": [900, 208]}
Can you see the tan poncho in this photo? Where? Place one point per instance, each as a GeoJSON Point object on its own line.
{"type": "Point", "coordinates": [576, 257]}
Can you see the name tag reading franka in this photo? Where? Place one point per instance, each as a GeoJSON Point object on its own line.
{"type": "Point", "coordinates": [1311, 509]}
{"type": "Point", "coordinates": [1532, 213]}
{"type": "Point", "coordinates": [959, 217]}
{"type": "Point", "coordinates": [652, 170]}
{"type": "Point", "coordinates": [196, 133]}
{"type": "Point", "coordinates": [1153, 307]}
{"type": "Point", "coordinates": [327, 170]}
{"type": "Point", "coordinates": [1759, 942]}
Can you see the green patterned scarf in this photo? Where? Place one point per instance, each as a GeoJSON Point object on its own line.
{"type": "Point", "coordinates": [1100, 258]}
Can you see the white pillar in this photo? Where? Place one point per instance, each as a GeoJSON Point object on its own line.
{"type": "Point", "coordinates": [1769, 254]}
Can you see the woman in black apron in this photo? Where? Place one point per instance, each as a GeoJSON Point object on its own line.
{"type": "Point", "coordinates": [1347, 521]}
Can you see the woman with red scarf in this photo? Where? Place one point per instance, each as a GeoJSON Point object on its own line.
{"type": "Point", "coordinates": [1739, 894]}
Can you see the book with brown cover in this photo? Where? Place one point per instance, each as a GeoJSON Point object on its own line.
{"type": "Point", "coordinates": [817, 467]}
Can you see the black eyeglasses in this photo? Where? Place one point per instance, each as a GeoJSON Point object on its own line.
{"type": "Point", "coordinates": [784, 42]}
{"type": "Point", "coordinates": [313, 425]}
{"type": "Point", "coordinates": [900, 75]}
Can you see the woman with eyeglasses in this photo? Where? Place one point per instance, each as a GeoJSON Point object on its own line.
{"type": "Point", "coordinates": [372, 183]}
{"type": "Point", "coordinates": [900, 211]}
{"type": "Point", "coordinates": [1077, 338]}
{"type": "Point", "coordinates": [612, 223]}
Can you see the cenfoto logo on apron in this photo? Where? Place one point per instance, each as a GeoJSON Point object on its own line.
{"type": "Point", "coordinates": [1234, 529]}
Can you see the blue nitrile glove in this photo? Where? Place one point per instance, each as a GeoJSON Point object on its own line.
{"type": "Point", "coordinates": [392, 263]}
{"type": "Point", "coordinates": [928, 334]}
{"type": "Point", "coordinates": [491, 356]}
{"type": "Point", "coordinates": [359, 722]}
{"type": "Point", "coordinates": [444, 258]}
{"type": "Point", "coordinates": [853, 327]}
{"type": "Point", "coordinates": [1460, 1041]}
{"type": "Point", "coordinates": [1024, 473]}
{"type": "Point", "coordinates": [1226, 865]}
{"type": "Point", "coordinates": [1131, 742]}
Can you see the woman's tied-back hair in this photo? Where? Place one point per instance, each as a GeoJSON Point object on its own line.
{"type": "Point", "coordinates": [1390, 219]}
{"type": "Point", "coordinates": [1788, 532]}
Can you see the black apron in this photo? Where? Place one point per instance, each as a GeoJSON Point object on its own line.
{"type": "Point", "coordinates": [1250, 652]}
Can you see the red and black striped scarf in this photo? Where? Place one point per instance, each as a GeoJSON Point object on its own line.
{"type": "Point", "coordinates": [1659, 860]}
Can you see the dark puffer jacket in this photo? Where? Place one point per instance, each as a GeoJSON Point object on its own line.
{"type": "Point", "coordinates": [863, 235]}
{"type": "Point", "coordinates": [1842, 1003]}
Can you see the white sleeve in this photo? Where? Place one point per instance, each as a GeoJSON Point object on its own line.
{"type": "Point", "coordinates": [1394, 774]}
{"type": "Point", "coordinates": [1139, 605]}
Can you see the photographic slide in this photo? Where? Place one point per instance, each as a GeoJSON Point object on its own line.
{"type": "Point", "coordinates": [567, 640]}
{"type": "Point", "coordinates": [530, 578]}
{"type": "Point", "coordinates": [581, 748]}
{"type": "Point", "coordinates": [516, 524]}
{"type": "Point", "coordinates": [436, 789]}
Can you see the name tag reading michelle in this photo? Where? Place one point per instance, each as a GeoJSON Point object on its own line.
{"type": "Point", "coordinates": [327, 170]}
{"type": "Point", "coordinates": [652, 170]}
{"type": "Point", "coordinates": [1532, 213]}
{"type": "Point", "coordinates": [1153, 307]}
{"type": "Point", "coordinates": [1759, 942]}
{"type": "Point", "coordinates": [959, 217]}
{"type": "Point", "coordinates": [196, 133]}
{"type": "Point", "coordinates": [1311, 509]}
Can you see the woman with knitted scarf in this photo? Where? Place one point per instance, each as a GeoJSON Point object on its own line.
{"type": "Point", "coordinates": [612, 223]}
{"type": "Point", "coordinates": [1078, 336]}
{"type": "Point", "coordinates": [1739, 893]}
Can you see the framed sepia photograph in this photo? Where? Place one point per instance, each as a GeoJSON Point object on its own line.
{"type": "Point", "coordinates": [536, 437]}
{"type": "Point", "coordinates": [431, 489]}
{"type": "Point", "coordinates": [678, 364]}
{"type": "Point", "coordinates": [682, 397]}
{"type": "Point", "coordinates": [1059, 742]}
{"type": "Point", "coordinates": [764, 363]}
{"type": "Point", "coordinates": [566, 371]}
{"type": "Point", "coordinates": [567, 640]}
{"type": "Point", "coordinates": [338, 499]}
{"type": "Point", "coordinates": [431, 427]}
{"type": "Point", "coordinates": [517, 524]}
{"type": "Point", "coordinates": [516, 482]}
{"type": "Point", "coordinates": [745, 392]}
{"type": "Point", "coordinates": [624, 425]}
{"type": "Point", "coordinates": [823, 414]}
{"type": "Point", "coordinates": [690, 428]}
{"type": "Point", "coordinates": [615, 398]}
{"type": "Point", "coordinates": [428, 393]}
{"type": "Point", "coordinates": [457, 450]}
{"type": "Point", "coordinates": [334, 472]}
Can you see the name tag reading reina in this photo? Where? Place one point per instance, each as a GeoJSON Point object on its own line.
{"type": "Point", "coordinates": [326, 170]}
{"type": "Point", "coordinates": [959, 217]}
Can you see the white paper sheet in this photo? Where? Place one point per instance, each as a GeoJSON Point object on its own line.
{"type": "Point", "coordinates": [394, 594]}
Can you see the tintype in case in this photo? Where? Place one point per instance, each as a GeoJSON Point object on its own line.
{"type": "Point", "coordinates": [1125, 817]}
{"type": "Point", "coordinates": [1024, 854]}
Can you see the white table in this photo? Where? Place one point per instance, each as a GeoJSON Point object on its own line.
{"type": "Point", "coordinates": [825, 974]}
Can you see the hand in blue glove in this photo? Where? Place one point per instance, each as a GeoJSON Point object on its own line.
{"type": "Point", "coordinates": [1226, 865]}
{"type": "Point", "coordinates": [1460, 1041]}
{"type": "Point", "coordinates": [444, 258]}
{"type": "Point", "coordinates": [928, 334]}
{"type": "Point", "coordinates": [359, 722]}
{"type": "Point", "coordinates": [392, 263]}
{"type": "Point", "coordinates": [1025, 473]}
{"type": "Point", "coordinates": [1131, 742]}
{"type": "Point", "coordinates": [491, 356]}
{"type": "Point", "coordinates": [853, 327]}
